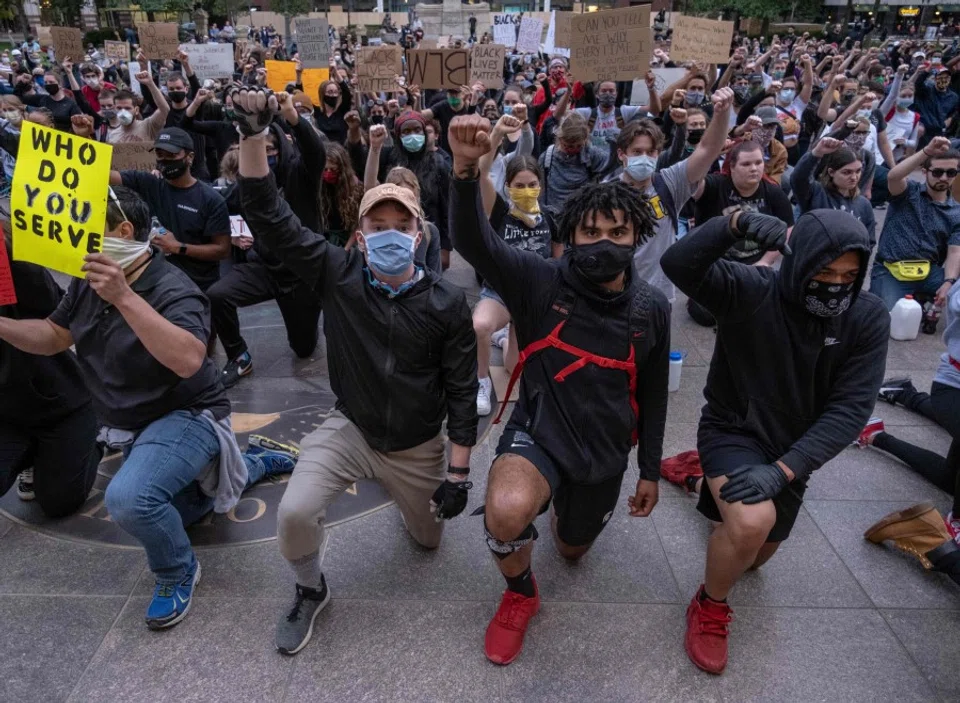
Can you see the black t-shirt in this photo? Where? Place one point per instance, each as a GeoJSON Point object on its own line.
{"type": "Point", "coordinates": [176, 118]}
{"type": "Point", "coordinates": [194, 215]}
{"type": "Point", "coordinates": [721, 198]}
{"type": "Point", "coordinates": [444, 114]}
{"type": "Point", "coordinates": [62, 110]}
{"type": "Point", "coordinates": [517, 233]}
{"type": "Point", "coordinates": [130, 388]}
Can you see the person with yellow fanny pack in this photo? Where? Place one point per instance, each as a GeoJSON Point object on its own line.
{"type": "Point", "coordinates": [919, 250]}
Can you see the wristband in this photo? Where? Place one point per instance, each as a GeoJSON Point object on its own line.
{"type": "Point", "coordinates": [451, 469]}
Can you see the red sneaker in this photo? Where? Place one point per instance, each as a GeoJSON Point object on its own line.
{"type": "Point", "coordinates": [504, 638]}
{"type": "Point", "coordinates": [707, 632]}
{"type": "Point", "coordinates": [874, 426]}
{"type": "Point", "coordinates": [677, 468]}
{"type": "Point", "coordinates": [953, 526]}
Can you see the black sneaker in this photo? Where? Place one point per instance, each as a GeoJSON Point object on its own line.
{"type": "Point", "coordinates": [296, 627]}
{"type": "Point", "coordinates": [893, 390]}
{"type": "Point", "coordinates": [241, 366]}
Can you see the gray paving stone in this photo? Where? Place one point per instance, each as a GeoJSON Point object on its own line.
{"type": "Point", "coordinates": [684, 405]}
{"type": "Point", "coordinates": [5, 526]}
{"type": "Point", "coordinates": [796, 654]}
{"type": "Point", "coordinates": [224, 650]}
{"type": "Point", "coordinates": [891, 578]}
{"type": "Point", "coordinates": [933, 639]}
{"type": "Point", "coordinates": [625, 565]}
{"type": "Point", "coordinates": [47, 641]}
{"type": "Point", "coordinates": [805, 571]}
{"type": "Point", "coordinates": [586, 652]}
{"type": "Point", "coordinates": [416, 651]}
{"type": "Point", "coordinates": [33, 563]}
{"type": "Point", "coordinates": [869, 474]}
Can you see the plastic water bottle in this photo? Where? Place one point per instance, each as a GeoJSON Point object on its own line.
{"type": "Point", "coordinates": [676, 366]}
{"type": "Point", "coordinates": [905, 318]}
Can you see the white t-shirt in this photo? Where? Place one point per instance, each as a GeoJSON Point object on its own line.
{"type": "Point", "coordinates": [606, 126]}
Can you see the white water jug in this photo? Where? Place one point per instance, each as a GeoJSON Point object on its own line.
{"type": "Point", "coordinates": [905, 318]}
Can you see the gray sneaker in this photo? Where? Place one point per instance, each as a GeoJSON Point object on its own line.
{"type": "Point", "coordinates": [296, 627]}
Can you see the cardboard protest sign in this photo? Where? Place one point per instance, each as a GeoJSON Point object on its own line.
{"type": "Point", "coordinates": [438, 69]}
{"type": "Point", "coordinates": [210, 60]}
{"type": "Point", "coordinates": [135, 68]}
{"type": "Point", "coordinates": [119, 50]}
{"type": "Point", "coordinates": [377, 68]}
{"type": "Point", "coordinates": [505, 29]}
{"type": "Point", "coordinates": [159, 40]}
{"type": "Point", "coordinates": [43, 35]}
{"type": "Point", "coordinates": [133, 156]}
{"type": "Point", "coordinates": [238, 227]}
{"type": "Point", "coordinates": [68, 42]}
{"type": "Point", "coordinates": [311, 80]}
{"type": "Point", "coordinates": [58, 198]}
{"type": "Point", "coordinates": [560, 21]}
{"type": "Point", "coordinates": [391, 38]}
{"type": "Point", "coordinates": [613, 45]}
{"type": "Point", "coordinates": [8, 294]}
{"type": "Point", "coordinates": [639, 95]}
{"type": "Point", "coordinates": [486, 65]}
{"type": "Point", "coordinates": [550, 45]}
{"type": "Point", "coordinates": [428, 44]}
{"type": "Point", "coordinates": [698, 39]}
{"type": "Point", "coordinates": [239, 49]}
{"type": "Point", "coordinates": [313, 42]}
{"type": "Point", "coordinates": [279, 74]}
{"type": "Point", "coordinates": [528, 41]}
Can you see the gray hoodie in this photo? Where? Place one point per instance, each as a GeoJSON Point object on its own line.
{"type": "Point", "coordinates": [947, 373]}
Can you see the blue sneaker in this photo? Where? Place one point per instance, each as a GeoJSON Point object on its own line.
{"type": "Point", "coordinates": [275, 457]}
{"type": "Point", "coordinates": [171, 602]}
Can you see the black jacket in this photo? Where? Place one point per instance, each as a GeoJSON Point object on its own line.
{"type": "Point", "coordinates": [585, 423]}
{"type": "Point", "coordinates": [796, 386]}
{"type": "Point", "coordinates": [35, 389]}
{"type": "Point", "coordinates": [398, 366]}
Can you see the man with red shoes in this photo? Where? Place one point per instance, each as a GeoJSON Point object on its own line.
{"type": "Point", "coordinates": [797, 365]}
{"type": "Point", "coordinates": [596, 343]}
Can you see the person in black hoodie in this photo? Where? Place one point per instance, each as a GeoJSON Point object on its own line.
{"type": "Point", "coordinates": [48, 429]}
{"type": "Point", "coordinates": [402, 356]}
{"type": "Point", "coordinates": [297, 168]}
{"type": "Point", "coordinates": [795, 372]}
{"type": "Point", "coordinates": [596, 342]}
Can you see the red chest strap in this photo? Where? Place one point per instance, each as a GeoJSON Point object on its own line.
{"type": "Point", "coordinates": [583, 358]}
{"type": "Point", "coordinates": [953, 362]}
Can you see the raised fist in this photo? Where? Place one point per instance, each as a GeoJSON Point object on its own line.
{"type": "Point", "coordinates": [508, 124]}
{"type": "Point", "coordinates": [378, 134]}
{"type": "Point", "coordinates": [722, 99]}
{"type": "Point", "coordinates": [678, 115]}
{"type": "Point", "coordinates": [520, 111]}
{"type": "Point", "coordinates": [352, 119]}
{"type": "Point", "coordinates": [253, 109]}
{"type": "Point", "coordinates": [827, 145]}
{"type": "Point", "coordinates": [938, 146]}
{"type": "Point", "coordinates": [469, 139]}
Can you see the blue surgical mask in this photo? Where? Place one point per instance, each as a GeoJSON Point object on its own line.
{"type": "Point", "coordinates": [402, 100]}
{"type": "Point", "coordinates": [640, 168]}
{"type": "Point", "coordinates": [390, 253]}
{"type": "Point", "coordinates": [507, 109]}
{"type": "Point", "coordinates": [694, 98]}
{"type": "Point", "coordinates": [904, 103]}
{"type": "Point", "coordinates": [272, 162]}
{"type": "Point", "coordinates": [787, 95]}
{"type": "Point", "coordinates": [413, 142]}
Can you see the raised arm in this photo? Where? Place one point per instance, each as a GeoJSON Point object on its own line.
{"type": "Point", "coordinates": [891, 99]}
{"type": "Point", "coordinates": [710, 146]}
{"type": "Point", "coordinates": [371, 170]}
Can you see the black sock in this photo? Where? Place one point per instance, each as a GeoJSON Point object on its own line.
{"type": "Point", "coordinates": [690, 483]}
{"type": "Point", "coordinates": [704, 595]}
{"type": "Point", "coordinates": [522, 584]}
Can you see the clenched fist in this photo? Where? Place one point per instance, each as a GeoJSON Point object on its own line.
{"type": "Point", "coordinates": [469, 138]}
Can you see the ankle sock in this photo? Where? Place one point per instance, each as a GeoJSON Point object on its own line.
{"type": "Point", "coordinates": [703, 595]}
{"type": "Point", "coordinates": [522, 584]}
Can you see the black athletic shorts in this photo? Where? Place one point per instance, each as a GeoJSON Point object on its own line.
{"type": "Point", "coordinates": [720, 459]}
{"type": "Point", "coordinates": [582, 510]}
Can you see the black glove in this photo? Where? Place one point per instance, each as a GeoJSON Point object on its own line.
{"type": "Point", "coordinates": [251, 122]}
{"type": "Point", "coordinates": [449, 499]}
{"type": "Point", "coordinates": [754, 483]}
{"type": "Point", "coordinates": [766, 230]}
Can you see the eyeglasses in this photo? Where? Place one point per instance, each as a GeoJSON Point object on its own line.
{"type": "Point", "coordinates": [941, 172]}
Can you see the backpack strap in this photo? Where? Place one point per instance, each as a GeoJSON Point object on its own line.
{"type": "Point", "coordinates": [619, 117]}
{"type": "Point", "coordinates": [592, 122]}
{"type": "Point", "coordinates": [639, 322]}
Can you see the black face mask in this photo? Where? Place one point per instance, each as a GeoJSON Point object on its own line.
{"type": "Point", "coordinates": [172, 170]}
{"type": "Point", "coordinates": [177, 95]}
{"type": "Point", "coordinates": [695, 135]}
{"type": "Point", "coordinates": [848, 98]}
{"type": "Point", "coordinates": [602, 261]}
{"type": "Point", "coordinates": [330, 100]}
{"type": "Point", "coordinates": [827, 299]}
{"type": "Point", "coordinates": [376, 119]}
{"type": "Point", "coordinates": [52, 88]}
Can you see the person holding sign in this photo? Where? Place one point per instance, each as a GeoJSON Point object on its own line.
{"type": "Point", "coordinates": [163, 404]}
{"type": "Point", "coordinates": [48, 429]}
{"type": "Point", "coordinates": [596, 342]}
{"type": "Point", "coordinates": [402, 355]}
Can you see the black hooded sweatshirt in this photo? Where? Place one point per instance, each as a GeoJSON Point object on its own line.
{"type": "Point", "coordinates": [585, 423]}
{"type": "Point", "coordinates": [797, 387]}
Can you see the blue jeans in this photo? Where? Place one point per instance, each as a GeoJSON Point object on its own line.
{"type": "Point", "coordinates": [155, 495]}
{"type": "Point", "coordinates": [883, 284]}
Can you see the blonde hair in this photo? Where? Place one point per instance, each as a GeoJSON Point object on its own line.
{"type": "Point", "coordinates": [573, 128]}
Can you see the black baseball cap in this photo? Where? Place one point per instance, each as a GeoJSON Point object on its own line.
{"type": "Point", "coordinates": [173, 139]}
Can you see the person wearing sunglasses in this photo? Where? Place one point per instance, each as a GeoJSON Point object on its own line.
{"type": "Point", "coordinates": [919, 249]}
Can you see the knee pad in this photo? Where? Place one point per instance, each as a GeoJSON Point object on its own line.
{"type": "Point", "coordinates": [501, 550]}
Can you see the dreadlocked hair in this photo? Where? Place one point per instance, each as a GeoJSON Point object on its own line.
{"type": "Point", "coordinates": [606, 198]}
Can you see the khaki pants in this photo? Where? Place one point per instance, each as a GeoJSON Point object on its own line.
{"type": "Point", "coordinates": [334, 457]}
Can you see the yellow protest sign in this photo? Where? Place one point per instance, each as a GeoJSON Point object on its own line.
{"type": "Point", "coordinates": [279, 74]}
{"type": "Point", "coordinates": [311, 78]}
{"type": "Point", "coordinates": [58, 198]}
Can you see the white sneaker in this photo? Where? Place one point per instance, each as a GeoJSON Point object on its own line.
{"type": "Point", "coordinates": [25, 485]}
{"type": "Point", "coordinates": [483, 397]}
{"type": "Point", "coordinates": [499, 338]}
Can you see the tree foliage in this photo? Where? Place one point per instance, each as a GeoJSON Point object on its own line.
{"type": "Point", "coordinates": [291, 8]}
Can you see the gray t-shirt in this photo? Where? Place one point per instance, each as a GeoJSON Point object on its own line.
{"type": "Point", "coordinates": [668, 192]}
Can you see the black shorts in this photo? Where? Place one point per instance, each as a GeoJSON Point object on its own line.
{"type": "Point", "coordinates": [582, 510]}
{"type": "Point", "coordinates": [721, 460]}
